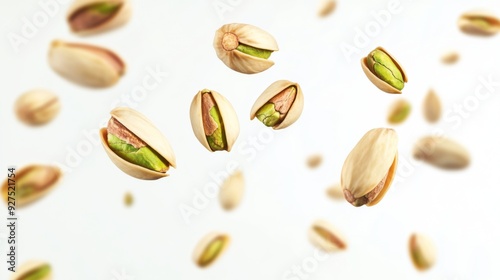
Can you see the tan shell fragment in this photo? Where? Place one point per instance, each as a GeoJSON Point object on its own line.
{"type": "Point", "coordinates": [142, 127]}
{"type": "Point", "coordinates": [37, 107]}
{"type": "Point", "coordinates": [28, 266]}
{"type": "Point", "coordinates": [118, 18]}
{"type": "Point", "coordinates": [326, 7]}
{"type": "Point", "coordinates": [432, 107]}
{"type": "Point", "coordinates": [86, 65]}
{"type": "Point", "coordinates": [326, 237]}
{"type": "Point", "coordinates": [32, 182]}
{"type": "Point", "coordinates": [450, 58]}
{"type": "Point", "coordinates": [441, 152]}
{"type": "Point", "coordinates": [382, 85]}
{"type": "Point", "coordinates": [370, 167]}
{"type": "Point", "coordinates": [229, 36]}
{"type": "Point", "coordinates": [466, 23]}
{"type": "Point", "coordinates": [422, 251]}
{"type": "Point", "coordinates": [314, 161]}
{"type": "Point", "coordinates": [275, 88]}
{"type": "Point", "coordinates": [232, 190]}
{"type": "Point", "coordinates": [335, 192]}
{"type": "Point", "coordinates": [210, 248]}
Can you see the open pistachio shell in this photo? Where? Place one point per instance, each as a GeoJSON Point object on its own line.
{"type": "Point", "coordinates": [37, 107]}
{"type": "Point", "coordinates": [326, 237]}
{"type": "Point", "coordinates": [141, 127]}
{"type": "Point", "coordinates": [209, 248]}
{"type": "Point", "coordinates": [370, 167]}
{"type": "Point", "coordinates": [382, 85]}
{"type": "Point", "coordinates": [479, 23]}
{"type": "Point", "coordinates": [87, 17]}
{"type": "Point", "coordinates": [33, 270]}
{"type": "Point", "coordinates": [275, 88]}
{"type": "Point", "coordinates": [87, 65]}
{"type": "Point", "coordinates": [441, 152]}
{"type": "Point", "coordinates": [229, 119]}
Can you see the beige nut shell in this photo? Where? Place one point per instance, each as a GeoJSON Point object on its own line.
{"type": "Point", "coordinates": [441, 152]}
{"type": "Point", "coordinates": [326, 244]}
{"type": "Point", "coordinates": [422, 251]}
{"type": "Point", "coordinates": [468, 28]}
{"type": "Point", "coordinates": [382, 85]}
{"type": "Point", "coordinates": [121, 17]}
{"type": "Point", "coordinates": [203, 244]}
{"type": "Point", "coordinates": [232, 190]}
{"type": "Point", "coordinates": [37, 107]}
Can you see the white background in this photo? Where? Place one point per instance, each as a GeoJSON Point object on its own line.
{"type": "Point", "coordinates": [84, 230]}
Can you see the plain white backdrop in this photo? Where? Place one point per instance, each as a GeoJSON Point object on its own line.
{"type": "Point", "coordinates": [85, 232]}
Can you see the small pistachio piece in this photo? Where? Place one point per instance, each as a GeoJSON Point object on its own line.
{"type": "Point", "coordinates": [231, 191]}
{"type": "Point", "coordinates": [210, 248]}
{"type": "Point", "coordinates": [314, 161]}
{"type": "Point", "coordinates": [326, 7]}
{"type": "Point", "coordinates": [399, 111]}
{"type": "Point", "coordinates": [94, 16]}
{"type": "Point", "coordinates": [432, 107]}
{"type": "Point", "coordinates": [33, 270]}
{"type": "Point", "coordinates": [326, 237]}
{"type": "Point", "coordinates": [450, 57]}
{"type": "Point", "coordinates": [441, 152]}
{"type": "Point", "coordinates": [37, 107]}
{"type": "Point", "coordinates": [384, 71]}
{"type": "Point", "coordinates": [422, 251]}
{"type": "Point", "coordinates": [479, 23]}
{"type": "Point", "coordinates": [128, 199]}
{"type": "Point", "coordinates": [335, 192]}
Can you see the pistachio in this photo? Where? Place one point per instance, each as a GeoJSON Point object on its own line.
{"type": "Point", "coordinates": [422, 251]}
{"type": "Point", "coordinates": [94, 16]}
{"type": "Point", "coordinates": [210, 248]}
{"type": "Point", "coordinates": [33, 270]}
{"type": "Point", "coordinates": [399, 111]}
{"type": "Point", "coordinates": [136, 146]}
{"type": "Point", "coordinates": [128, 199]}
{"type": "Point", "coordinates": [231, 191]}
{"type": "Point", "coordinates": [370, 167]}
{"type": "Point", "coordinates": [384, 71]}
{"type": "Point", "coordinates": [432, 107]}
{"type": "Point", "coordinates": [32, 182]}
{"type": "Point", "coordinates": [479, 23]}
{"type": "Point", "coordinates": [86, 65]}
{"type": "Point", "coordinates": [314, 161]}
{"type": "Point", "coordinates": [450, 58]}
{"type": "Point", "coordinates": [280, 105]}
{"type": "Point", "coordinates": [441, 152]}
{"type": "Point", "coordinates": [326, 237]}
{"type": "Point", "coordinates": [37, 107]}
{"type": "Point", "coordinates": [335, 192]}
{"type": "Point", "coordinates": [214, 121]}
{"type": "Point", "coordinates": [244, 48]}
{"type": "Point", "coordinates": [326, 7]}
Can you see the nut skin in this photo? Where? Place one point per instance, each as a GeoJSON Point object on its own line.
{"type": "Point", "coordinates": [244, 48]}
{"type": "Point", "coordinates": [326, 237]}
{"type": "Point", "coordinates": [232, 190]}
{"type": "Point", "coordinates": [384, 71]}
{"type": "Point", "coordinates": [86, 65]}
{"type": "Point", "coordinates": [210, 248]}
{"type": "Point", "coordinates": [141, 127]}
{"type": "Point", "coordinates": [441, 152]}
{"type": "Point", "coordinates": [432, 107]}
{"type": "Point", "coordinates": [422, 251]}
{"type": "Point", "coordinates": [399, 111]}
{"type": "Point", "coordinates": [370, 167]}
{"type": "Point", "coordinates": [31, 266]}
{"type": "Point", "coordinates": [266, 98]}
{"type": "Point", "coordinates": [479, 23]}
{"type": "Point", "coordinates": [37, 107]}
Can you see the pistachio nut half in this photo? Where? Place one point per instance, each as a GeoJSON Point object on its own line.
{"type": "Point", "coordinates": [136, 146]}
{"type": "Point", "coordinates": [384, 71]}
{"type": "Point", "coordinates": [231, 191]}
{"type": "Point", "coordinates": [210, 248]}
{"type": "Point", "coordinates": [441, 152]}
{"type": "Point", "coordinates": [32, 182]}
{"type": "Point", "coordinates": [326, 237]}
{"type": "Point", "coordinates": [280, 105]}
{"type": "Point", "coordinates": [399, 111]}
{"type": "Point", "coordinates": [214, 121]}
{"type": "Point", "coordinates": [86, 65]}
{"type": "Point", "coordinates": [326, 7]}
{"type": "Point", "coordinates": [94, 16]}
{"type": "Point", "coordinates": [479, 23]}
{"type": "Point", "coordinates": [422, 251]}
{"type": "Point", "coordinates": [244, 48]}
{"type": "Point", "coordinates": [370, 167]}
{"type": "Point", "coordinates": [432, 107]}
{"type": "Point", "coordinates": [37, 107]}
{"type": "Point", "coordinates": [33, 270]}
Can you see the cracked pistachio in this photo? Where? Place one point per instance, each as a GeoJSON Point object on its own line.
{"type": "Point", "coordinates": [32, 183]}
{"type": "Point", "coordinates": [244, 48]}
{"type": "Point", "coordinates": [33, 270]}
{"type": "Point", "coordinates": [479, 23]}
{"type": "Point", "coordinates": [432, 107]}
{"type": "Point", "coordinates": [86, 65]}
{"type": "Point", "coordinates": [280, 105]}
{"type": "Point", "coordinates": [37, 107]}
{"type": "Point", "coordinates": [136, 146]}
{"type": "Point", "coordinates": [422, 251]}
{"type": "Point", "coordinates": [384, 71]}
{"type": "Point", "coordinates": [326, 237]}
{"type": "Point", "coordinates": [94, 16]}
{"type": "Point", "coordinates": [441, 152]}
{"type": "Point", "coordinates": [326, 7]}
{"type": "Point", "coordinates": [370, 167]}
{"type": "Point", "coordinates": [399, 111]}
{"type": "Point", "coordinates": [210, 248]}
{"type": "Point", "coordinates": [214, 121]}
{"type": "Point", "coordinates": [231, 191]}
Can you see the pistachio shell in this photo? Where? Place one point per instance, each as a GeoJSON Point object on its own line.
{"type": "Point", "coordinates": [432, 107]}
{"type": "Point", "coordinates": [441, 152]}
{"type": "Point", "coordinates": [231, 191]}
{"type": "Point", "coordinates": [118, 18]}
{"type": "Point", "coordinates": [204, 255]}
{"type": "Point", "coordinates": [422, 251]}
{"type": "Point", "coordinates": [142, 127]}
{"type": "Point", "coordinates": [450, 58]}
{"type": "Point", "coordinates": [226, 110]}
{"type": "Point", "coordinates": [373, 158]}
{"type": "Point", "coordinates": [314, 161]}
{"type": "Point", "coordinates": [30, 266]}
{"type": "Point", "coordinates": [225, 47]}
{"type": "Point", "coordinates": [326, 7]}
{"type": "Point", "coordinates": [37, 107]}
{"type": "Point", "coordinates": [274, 89]}
{"type": "Point", "coordinates": [335, 192]}
{"type": "Point", "coordinates": [466, 23]}
{"type": "Point", "coordinates": [382, 85]}
{"type": "Point", "coordinates": [326, 237]}
{"type": "Point", "coordinates": [42, 178]}
{"type": "Point", "coordinates": [87, 65]}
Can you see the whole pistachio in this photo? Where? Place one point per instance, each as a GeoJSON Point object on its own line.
{"type": "Point", "coordinates": [441, 152]}
{"type": "Point", "coordinates": [136, 146]}
{"type": "Point", "coordinates": [432, 107]}
{"type": "Point", "coordinates": [210, 248]}
{"type": "Point", "coordinates": [399, 111]}
{"type": "Point", "coordinates": [370, 167]}
{"type": "Point", "coordinates": [422, 251]}
{"type": "Point", "coordinates": [280, 105]}
{"type": "Point", "coordinates": [94, 16]}
{"type": "Point", "coordinates": [86, 65]}
{"type": "Point", "coordinates": [231, 191]}
{"type": "Point", "coordinates": [244, 48]}
{"type": "Point", "coordinates": [479, 23]}
{"type": "Point", "coordinates": [214, 121]}
{"type": "Point", "coordinates": [326, 237]}
{"type": "Point", "coordinates": [384, 71]}
{"type": "Point", "coordinates": [37, 107]}
{"type": "Point", "coordinates": [33, 270]}
{"type": "Point", "coordinates": [326, 7]}
{"type": "Point", "coordinates": [32, 182]}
